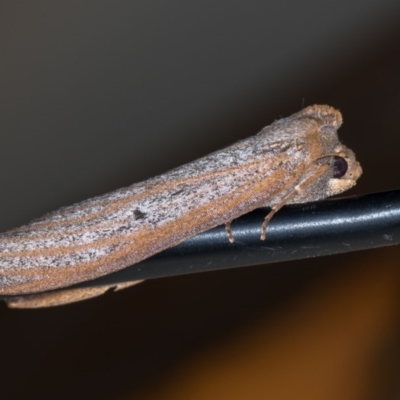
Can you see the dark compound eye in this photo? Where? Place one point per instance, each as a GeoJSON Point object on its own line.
{"type": "Point", "coordinates": [339, 167]}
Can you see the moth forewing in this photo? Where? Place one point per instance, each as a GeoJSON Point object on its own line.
{"type": "Point", "coordinates": [289, 161]}
{"type": "Point", "coordinates": [62, 296]}
{"type": "Point", "coordinates": [125, 227]}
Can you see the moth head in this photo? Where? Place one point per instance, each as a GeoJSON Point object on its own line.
{"type": "Point", "coordinates": [345, 170]}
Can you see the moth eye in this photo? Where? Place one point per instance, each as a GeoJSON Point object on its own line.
{"type": "Point", "coordinates": [339, 167]}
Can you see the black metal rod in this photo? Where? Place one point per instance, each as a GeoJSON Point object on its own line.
{"type": "Point", "coordinates": [296, 232]}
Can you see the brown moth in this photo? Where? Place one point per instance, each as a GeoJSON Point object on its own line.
{"type": "Point", "coordinates": [294, 160]}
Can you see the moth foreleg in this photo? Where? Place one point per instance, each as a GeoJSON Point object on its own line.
{"type": "Point", "coordinates": [274, 210]}
{"type": "Point", "coordinates": [296, 190]}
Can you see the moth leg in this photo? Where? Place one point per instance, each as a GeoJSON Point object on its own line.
{"type": "Point", "coordinates": [297, 189]}
{"type": "Point", "coordinates": [274, 210]}
{"type": "Point", "coordinates": [228, 231]}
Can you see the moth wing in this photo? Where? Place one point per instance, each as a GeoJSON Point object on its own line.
{"type": "Point", "coordinates": [62, 296]}
{"type": "Point", "coordinates": [110, 232]}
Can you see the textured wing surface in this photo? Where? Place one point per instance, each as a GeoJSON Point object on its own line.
{"type": "Point", "coordinates": [112, 231]}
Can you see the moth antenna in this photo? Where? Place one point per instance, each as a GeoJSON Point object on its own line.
{"type": "Point", "coordinates": [341, 154]}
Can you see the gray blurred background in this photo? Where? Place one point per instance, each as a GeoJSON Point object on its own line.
{"type": "Point", "coordinates": [98, 95]}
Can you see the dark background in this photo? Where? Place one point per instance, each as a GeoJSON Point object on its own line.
{"type": "Point", "coordinates": [98, 95]}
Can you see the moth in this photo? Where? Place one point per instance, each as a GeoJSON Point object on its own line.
{"type": "Point", "coordinates": [294, 160]}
